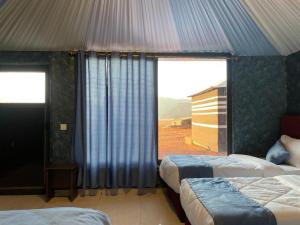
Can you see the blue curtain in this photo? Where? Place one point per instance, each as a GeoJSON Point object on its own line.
{"type": "Point", "coordinates": [120, 117]}
{"type": "Point", "coordinates": [79, 140]}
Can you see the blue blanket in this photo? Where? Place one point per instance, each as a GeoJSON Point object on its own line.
{"type": "Point", "coordinates": [54, 216]}
{"type": "Point", "coordinates": [227, 205]}
{"type": "Point", "coordinates": [190, 166]}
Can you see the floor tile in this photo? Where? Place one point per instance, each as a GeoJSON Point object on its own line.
{"type": "Point", "coordinates": [127, 207]}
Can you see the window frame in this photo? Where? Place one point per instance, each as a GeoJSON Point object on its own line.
{"type": "Point", "coordinates": [228, 58]}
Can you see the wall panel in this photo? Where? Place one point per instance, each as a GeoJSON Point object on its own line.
{"type": "Point", "coordinates": [258, 97]}
{"type": "Point", "coordinates": [62, 73]}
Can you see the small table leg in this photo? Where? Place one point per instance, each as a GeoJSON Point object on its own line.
{"type": "Point", "coordinates": [73, 189]}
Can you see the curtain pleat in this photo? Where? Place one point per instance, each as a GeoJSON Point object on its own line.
{"type": "Point", "coordinates": [79, 139]}
{"type": "Point", "coordinates": [96, 119]}
{"type": "Point", "coordinates": [120, 123]}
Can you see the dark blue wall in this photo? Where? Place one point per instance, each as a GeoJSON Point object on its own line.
{"type": "Point", "coordinates": [258, 96]}
{"type": "Point", "coordinates": [293, 83]}
{"type": "Point", "coordinates": [61, 72]}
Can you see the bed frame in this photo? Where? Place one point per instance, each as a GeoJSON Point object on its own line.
{"type": "Point", "coordinates": [289, 125]}
{"type": "Point", "coordinates": [175, 200]}
{"type": "Point", "coordinates": [187, 222]}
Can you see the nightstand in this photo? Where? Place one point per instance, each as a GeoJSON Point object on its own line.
{"type": "Point", "coordinates": [61, 177]}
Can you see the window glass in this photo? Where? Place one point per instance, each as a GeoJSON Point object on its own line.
{"type": "Point", "coordinates": [22, 87]}
{"type": "Point", "coordinates": [192, 106]}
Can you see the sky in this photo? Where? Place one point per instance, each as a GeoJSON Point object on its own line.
{"type": "Point", "coordinates": [22, 87]}
{"type": "Point", "coordinates": [181, 78]}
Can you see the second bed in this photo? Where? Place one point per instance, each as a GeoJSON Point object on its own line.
{"type": "Point", "coordinates": [242, 200]}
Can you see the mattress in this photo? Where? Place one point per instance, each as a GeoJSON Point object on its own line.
{"type": "Point", "coordinates": [290, 170]}
{"type": "Point", "coordinates": [54, 216]}
{"type": "Point", "coordinates": [279, 195]}
{"type": "Point", "coordinates": [238, 166]}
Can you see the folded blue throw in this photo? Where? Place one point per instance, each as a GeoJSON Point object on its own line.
{"type": "Point", "coordinates": [190, 166]}
{"type": "Point", "coordinates": [227, 205]}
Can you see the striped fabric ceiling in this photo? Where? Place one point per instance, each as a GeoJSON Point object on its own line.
{"type": "Point", "coordinates": [240, 27]}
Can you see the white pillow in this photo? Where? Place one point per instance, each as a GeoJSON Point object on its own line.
{"type": "Point", "coordinates": [292, 145]}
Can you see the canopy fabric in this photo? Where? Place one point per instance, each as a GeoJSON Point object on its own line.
{"type": "Point", "coordinates": [219, 26]}
{"type": "Point", "coordinates": [280, 21]}
{"type": "Point", "coordinates": [240, 27]}
{"type": "Point", "coordinates": [2, 2]}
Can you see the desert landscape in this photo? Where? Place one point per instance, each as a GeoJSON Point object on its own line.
{"type": "Point", "coordinates": [175, 140]}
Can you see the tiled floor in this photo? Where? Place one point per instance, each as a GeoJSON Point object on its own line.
{"type": "Point", "coordinates": [125, 208]}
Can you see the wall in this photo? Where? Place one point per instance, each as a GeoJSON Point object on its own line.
{"type": "Point", "coordinates": [258, 98]}
{"type": "Point", "coordinates": [62, 72]}
{"type": "Point", "coordinates": [293, 83]}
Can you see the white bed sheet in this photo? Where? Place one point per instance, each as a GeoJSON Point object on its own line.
{"type": "Point", "coordinates": [290, 170]}
{"type": "Point", "coordinates": [248, 166]}
{"type": "Point", "coordinates": [280, 194]}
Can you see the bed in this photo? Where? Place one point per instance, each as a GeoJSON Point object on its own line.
{"type": "Point", "coordinates": [175, 168]}
{"type": "Point", "coordinates": [241, 200]}
{"type": "Point", "coordinates": [57, 216]}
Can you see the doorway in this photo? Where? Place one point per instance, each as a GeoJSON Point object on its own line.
{"type": "Point", "coordinates": [23, 130]}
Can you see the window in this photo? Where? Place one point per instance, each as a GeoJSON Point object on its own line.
{"type": "Point", "coordinates": [192, 106]}
{"type": "Point", "coordinates": [22, 87]}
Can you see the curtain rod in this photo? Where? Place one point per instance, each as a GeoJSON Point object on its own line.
{"type": "Point", "coordinates": [122, 54]}
{"type": "Point", "coordinates": [162, 54]}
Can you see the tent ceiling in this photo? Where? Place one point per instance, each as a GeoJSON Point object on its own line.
{"type": "Point", "coordinates": [241, 27]}
{"type": "Point", "coordinates": [280, 21]}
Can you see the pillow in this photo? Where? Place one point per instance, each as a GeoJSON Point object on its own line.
{"type": "Point", "coordinates": [292, 145]}
{"type": "Point", "coordinates": [277, 154]}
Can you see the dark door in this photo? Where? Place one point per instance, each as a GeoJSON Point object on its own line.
{"type": "Point", "coordinates": [22, 131]}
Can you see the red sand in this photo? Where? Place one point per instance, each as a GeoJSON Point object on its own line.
{"type": "Point", "coordinates": [172, 141]}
